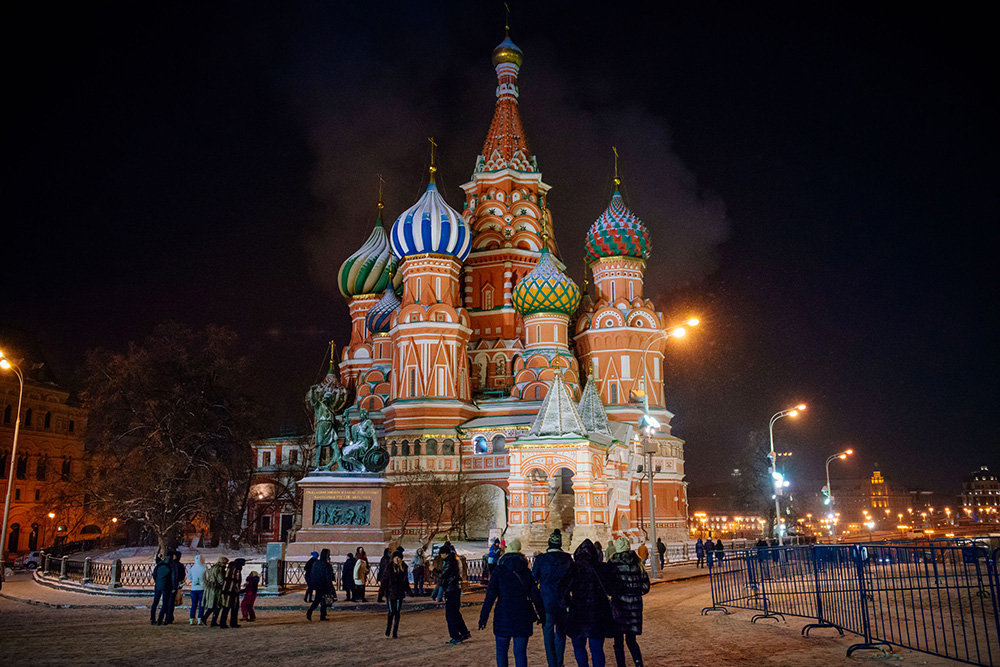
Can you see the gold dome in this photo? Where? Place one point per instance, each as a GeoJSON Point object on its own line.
{"type": "Point", "coordinates": [507, 52]}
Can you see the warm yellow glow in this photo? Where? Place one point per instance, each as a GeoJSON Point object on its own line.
{"type": "Point", "coordinates": [793, 413]}
{"type": "Point", "coordinates": [800, 406]}
{"type": "Point", "coordinates": [849, 451]}
{"type": "Point", "coordinates": [693, 322]}
{"type": "Point", "coordinates": [843, 456]}
{"type": "Point", "coordinates": [52, 515]}
{"type": "Point", "coordinates": [114, 520]}
{"type": "Point", "coordinates": [4, 364]}
{"type": "Point", "coordinates": [679, 332]}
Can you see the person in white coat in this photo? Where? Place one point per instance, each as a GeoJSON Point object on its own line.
{"type": "Point", "coordinates": [196, 575]}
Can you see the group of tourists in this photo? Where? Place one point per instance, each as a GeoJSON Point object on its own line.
{"type": "Point", "coordinates": [215, 592]}
{"type": "Point", "coordinates": [589, 597]}
{"type": "Point", "coordinates": [704, 550]}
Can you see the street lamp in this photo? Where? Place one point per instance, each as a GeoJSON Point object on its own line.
{"type": "Point", "coordinates": [51, 515]}
{"type": "Point", "coordinates": [828, 491]}
{"type": "Point", "coordinates": [649, 425]}
{"type": "Point", "coordinates": [7, 365]}
{"type": "Point", "coordinates": [779, 481]}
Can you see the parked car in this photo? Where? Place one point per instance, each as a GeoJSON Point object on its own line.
{"type": "Point", "coordinates": [30, 560]}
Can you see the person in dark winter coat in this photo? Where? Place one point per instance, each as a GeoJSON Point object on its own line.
{"type": "Point", "coordinates": [395, 587]}
{"type": "Point", "coordinates": [719, 551]}
{"type": "Point", "coordinates": [709, 553]}
{"type": "Point", "coordinates": [163, 590]}
{"type": "Point", "coordinates": [519, 605]}
{"type": "Point", "coordinates": [214, 579]}
{"type": "Point", "coordinates": [178, 577]}
{"type": "Point", "coordinates": [661, 551]}
{"type": "Point", "coordinates": [600, 552]}
{"type": "Point", "coordinates": [419, 571]}
{"type": "Point", "coordinates": [383, 569]}
{"type": "Point", "coordinates": [451, 584]}
{"type": "Point", "coordinates": [250, 597]}
{"type": "Point", "coordinates": [347, 577]}
{"type": "Point", "coordinates": [323, 585]}
{"type": "Point", "coordinates": [307, 570]}
{"type": "Point", "coordinates": [231, 593]}
{"type": "Point", "coordinates": [549, 570]}
{"type": "Point", "coordinates": [584, 592]}
{"type": "Point", "coordinates": [631, 583]}
{"type": "Point", "coordinates": [699, 551]}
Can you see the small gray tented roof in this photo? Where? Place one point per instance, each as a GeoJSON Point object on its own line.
{"type": "Point", "coordinates": [558, 416]}
{"type": "Point", "coordinates": [595, 418]}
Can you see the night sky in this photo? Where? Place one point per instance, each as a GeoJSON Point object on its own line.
{"type": "Point", "coordinates": [815, 179]}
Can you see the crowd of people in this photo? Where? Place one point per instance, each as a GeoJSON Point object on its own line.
{"type": "Point", "coordinates": [588, 597]}
{"type": "Point", "coordinates": [218, 593]}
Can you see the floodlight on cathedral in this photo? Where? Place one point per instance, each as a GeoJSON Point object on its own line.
{"type": "Point", "coordinates": [431, 226]}
{"type": "Point", "coordinates": [617, 232]}
{"type": "Point", "coordinates": [372, 268]}
{"type": "Point", "coordinates": [379, 317]}
{"type": "Point", "coordinates": [546, 289]}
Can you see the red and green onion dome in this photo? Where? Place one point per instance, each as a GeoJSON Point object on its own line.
{"type": "Point", "coordinates": [546, 289]}
{"type": "Point", "coordinates": [372, 268]}
{"type": "Point", "coordinates": [617, 233]}
{"type": "Point", "coordinates": [379, 317]}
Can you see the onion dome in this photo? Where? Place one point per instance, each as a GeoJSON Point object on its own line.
{"type": "Point", "coordinates": [370, 269]}
{"type": "Point", "coordinates": [379, 317]}
{"type": "Point", "coordinates": [431, 225]}
{"type": "Point", "coordinates": [546, 289]}
{"type": "Point", "coordinates": [617, 233]}
{"type": "Point", "coordinates": [507, 52]}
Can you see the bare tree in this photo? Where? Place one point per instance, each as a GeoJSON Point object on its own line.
{"type": "Point", "coordinates": [438, 503]}
{"type": "Point", "coordinates": [170, 427]}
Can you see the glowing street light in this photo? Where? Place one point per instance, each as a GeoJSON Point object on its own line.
{"type": "Point", "coordinates": [779, 481]}
{"type": "Point", "coordinates": [8, 365]}
{"type": "Point", "coordinates": [827, 490]}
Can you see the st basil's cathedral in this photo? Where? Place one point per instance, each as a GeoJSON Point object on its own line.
{"type": "Point", "coordinates": [473, 352]}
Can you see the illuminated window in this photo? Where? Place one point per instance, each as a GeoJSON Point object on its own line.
{"type": "Point", "coordinates": [266, 459]}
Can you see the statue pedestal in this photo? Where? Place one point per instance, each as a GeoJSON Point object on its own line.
{"type": "Point", "coordinates": [342, 511]}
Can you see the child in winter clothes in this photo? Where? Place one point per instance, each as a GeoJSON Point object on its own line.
{"type": "Point", "coordinates": [249, 597]}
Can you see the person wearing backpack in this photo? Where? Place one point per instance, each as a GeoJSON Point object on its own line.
{"type": "Point", "coordinates": [518, 605]}
{"type": "Point", "coordinates": [630, 583]}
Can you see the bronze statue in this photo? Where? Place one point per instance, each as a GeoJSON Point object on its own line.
{"type": "Point", "coordinates": [324, 403]}
{"type": "Point", "coordinates": [363, 453]}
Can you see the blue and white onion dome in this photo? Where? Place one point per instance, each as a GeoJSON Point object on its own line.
{"type": "Point", "coordinates": [431, 226]}
{"type": "Point", "coordinates": [379, 317]}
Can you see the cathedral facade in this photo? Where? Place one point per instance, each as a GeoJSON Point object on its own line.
{"type": "Point", "coordinates": [476, 356]}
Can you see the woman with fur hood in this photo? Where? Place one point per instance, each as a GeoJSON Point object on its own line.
{"type": "Point", "coordinates": [214, 579]}
{"type": "Point", "coordinates": [631, 583]}
{"type": "Point", "coordinates": [584, 593]}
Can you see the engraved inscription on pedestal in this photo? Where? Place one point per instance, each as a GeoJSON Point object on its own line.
{"type": "Point", "coordinates": [342, 512]}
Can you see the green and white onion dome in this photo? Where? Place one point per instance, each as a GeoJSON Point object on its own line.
{"type": "Point", "coordinates": [372, 268]}
{"type": "Point", "coordinates": [546, 289]}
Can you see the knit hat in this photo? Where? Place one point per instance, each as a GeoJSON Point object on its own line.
{"type": "Point", "coordinates": [514, 546]}
{"type": "Point", "coordinates": [622, 545]}
{"type": "Point", "coordinates": [314, 554]}
{"type": "Point", "coordinates": [555, 539]}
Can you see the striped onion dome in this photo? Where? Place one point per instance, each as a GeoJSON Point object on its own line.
{"type": "Point", "coordinates": [431, 225]}
{"type": "Point", "coordinates": [617, 233]}
{"type": "Point", "coordinates": [379, 317]}
{"type": "Point", "coordinates": [546, 289]}
{"type": "Point", "coordinates": [370, 269]}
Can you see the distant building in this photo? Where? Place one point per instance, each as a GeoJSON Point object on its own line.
{"type": "Point", "coordinates": [274, 505]}
{"type": "Point", "coordinates": [50, 453]}
{"type": "Point", "coordinates": [980, 498]}
{"type": "Point", "coordinates": [854, 496]}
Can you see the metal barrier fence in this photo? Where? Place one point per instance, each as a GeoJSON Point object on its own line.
{"type": "Point", "coordinates": [935, 599]}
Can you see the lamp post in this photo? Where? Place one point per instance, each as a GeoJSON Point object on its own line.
{"type": "Point", "coordinates": [649, 425]}
{"type": "Point", "coordinates": [7, 365]}
{"type": "Point", "coordinates": [829, 492]}
{"type": "Point", "coordinates": [51, 515]}
{"type": "Point", "coordinates": [779, 481]}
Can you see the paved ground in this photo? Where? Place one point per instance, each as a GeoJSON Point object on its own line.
{"type": "Point", "coordinates": [675, 634]}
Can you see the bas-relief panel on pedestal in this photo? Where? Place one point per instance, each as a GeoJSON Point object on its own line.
{"type": "Point", "coordinates": [342, 512]}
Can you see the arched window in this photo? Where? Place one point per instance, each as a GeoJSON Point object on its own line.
{"type": "Point", "coordinates": [22, 467]}
{"type": "Point", "coordinates": [41, 468]}
{"type": "Point", "coordinates": [48, 420]}
{"type": "Point", "coordinates": [432, 447]}
{"type": "Point", "coordinates": [15, 533]}
{"type": "Point", "coordinates": [448, 447]}
{"type": "Point", "coordinates": [394, 449]}
{"type": "Point", "coordinates": [6, 415]}
{"type": "Point", "coordinates": [406, 448]}
{"type": "Point", "coordinates": [614, 394]}
{"type": "Point", "coordinates": [33, 537]}
{"type": "Point", "coordinates": [499, 444]}
{"type": "Point", "coordinates": [480, 445]}
{"type": "Point", "coordinates": [27, 417]}
{"type": "Point", "coordinates": [66, 466]}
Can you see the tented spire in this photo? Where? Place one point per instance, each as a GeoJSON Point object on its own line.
{"type": "Point", "coordinates": [558, 415]}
